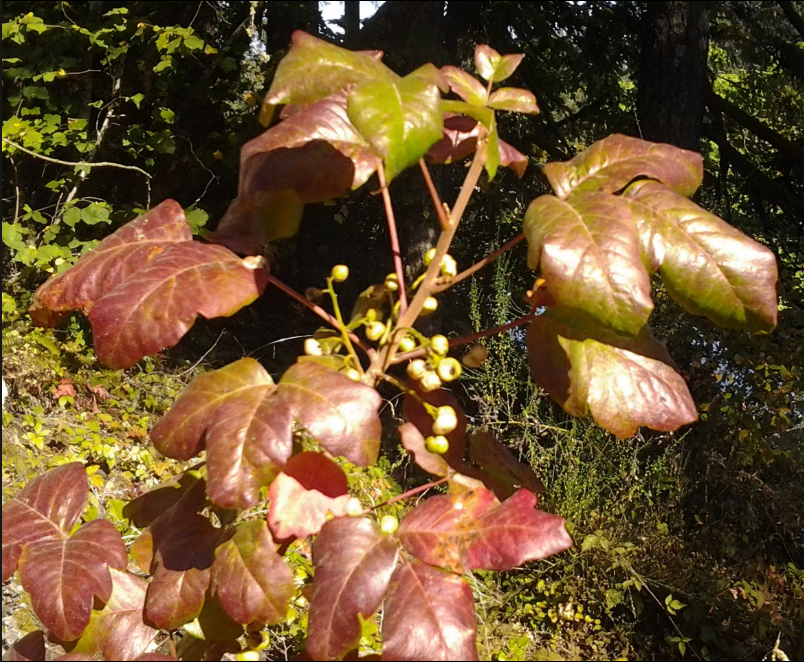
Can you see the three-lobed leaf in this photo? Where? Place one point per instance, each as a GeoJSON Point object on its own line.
{"type": "Point", "coordinates": [465, 85]}
{"type": "Point", "coordinates": [429, 614]}
{"type": "Point", "coordinates": [353, 566]}
{"type": "Point", "coordinates": [494, 67]}
{"type": "Point", "coordinates": [498, 468]}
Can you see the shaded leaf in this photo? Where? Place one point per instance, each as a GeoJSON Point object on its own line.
{"type": "Point", "coordinates": [470, 531]}
{"type": "Point", "coordinates": [413, 442]}
{"type": "Point", "coordinates": [401, 118]}
{"type": "Point", "coordinates": [416, 413]}
{"type": "Point", "coordinates": [589, 253]}
{"type": "Point", "coordinates": [429, 614]}
{"type": "Point", "coordinates": [64, 575]}
{"type": "Point", "coordinates": [314, 155]}
{"type": "Point", "coordinates": [146, 508]}
{"type": "Point", "coordinates": [118, 631]}
{"type": "Point", "coordinates": [245, 423]}
{"type": "Point", "coordinates": [498, 468]}
{"type": "Point", "coordinates": [623, 381]}
{"type": "Point", "coordinates": [514, 99]}
{"type": "Point", "coordinates": [465, 85]}
{"type": "Point", "coordinates": [310, 489]}
{"type": "Point", "coordinates": [495, 67]}
{"type": "Point", "coordinates": [143, 286]}
{"type": "Point", "coordinates": [613, 162]}
{"type": "Point", "coordinates": [314, 69]}
{"type": "Point", "coordinates": [353, 565]}
{"type": "Point", "coordinates": [252, 582]}
{"type": "Point", "coordinates": [708, 266]}
{"type": "Point", "coordinates": [45, 509]}
{"type": "Point", "coordinates": [30, 647]}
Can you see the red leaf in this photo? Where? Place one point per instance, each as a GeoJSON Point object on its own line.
{"type": "Point", "coordinates": [428, 615]}
{"type": "Point", "coordinates": [46, 509]}
{"type": "Point", "coordinates": [30, 648]}
{"type": "Point", "coordinates": [252, 582]}
{"type": "Point", "coordinates": [246, 423]}
{"type": "Point", "coordinates": [353, 565]}
{"type": "Point", "coordinates": [118, 631]}
{"type": "Point", "coordinates": [613, 162]}
{"type": "Point", "coordinates": [65, 387]}
{"type": "Point", "coordinates": [309, 490]}
{"type": "Point", "coordinates": [513, 99]}
{"type": "Point", "coordinates": [467, 531]}
{"type": "Point", "coordinates": [143, 286]}
{"type": "Point", "coordinates": [415, 412]}
{"type": "Point", "coordinates": [624, 381]}
{"type": "Point", "coordinates": [63, 575]}
{"type": "Point", "coordinates": [498, 468]}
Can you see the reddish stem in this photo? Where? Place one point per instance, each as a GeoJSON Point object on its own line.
{"type": "Point", "coordinates": [389, 215]}
{"type": "Point", "coordinates": [443, 219]}
{"type": "Point", "coordinates": [413, 492]}
{"type": "Point", "coordinates": [440, 287]}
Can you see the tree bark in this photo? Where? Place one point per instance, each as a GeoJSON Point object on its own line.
{"type": "Point", "coordinates": [672, 81]}
{"type": "Point", "coordinates": [351, 20]}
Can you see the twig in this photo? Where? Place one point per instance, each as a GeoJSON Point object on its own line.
{"type": "Point", "coordinates": [389, 215]}
{"type": "Point", "coordinates": [413, 492]}
{"type": "Point", "coordinates": [439, 206]}
{"type": "Point", "coordinates": [479, 265]}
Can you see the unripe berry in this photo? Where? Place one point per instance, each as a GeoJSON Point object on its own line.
{"type": "Point", "coordinates": [353, 374]}
{"type": "Point", "coordinates": [428, 257]}
{"type": "Point", "coordinates": [437, 444]}
{"type": "Point", "coordinates": [430, 305]}
{"type": "Point", "coordinates": [247, 656]}
{"type": "Point", "coordinates": [446, 420]}
{"type": "Point", "coordinates": [392, 282]}
{"type": "Point", "coordinates": [339, 273]}
{"type": "Point", "coordinates": [354, 508]}
{"type": "Point", "coordinates": [375, 330]}
{"type": "Point", "coordinates": [312, 347]}
{"type": "Point", "coordinates": [416, 369]}
{"type": "Point", "coordinates": [475, 357]}
{"type": "Point", "coordinates": [407, 344]}
{"type": "Point", "coordinates": [449, 268]}
{"type": "Point", "coordinates": [439, 344]}
{"type": "Point", "coordinates": [389, 524]}
{"type": "Point", "coordinates": [449, 369]}
{"type": "Point", "coordinates": [429, 381]}
{"type": "Point", "coordinates": [374, 315]}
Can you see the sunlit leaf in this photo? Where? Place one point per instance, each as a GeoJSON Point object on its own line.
{"type": "Point", "coordinates": [353, 565]}
{"type": "Point", "coordinates": [245, 423]}
{"type": "Point", "coordinates": [401, 118]}
{"type": "Point", "coordinates": [498, 468]}
{"type": "Point", "coordinates": [623, 381]}
{"type": "Point", "coordinates": [493, 156]}
{"type": "Point", "coordinates": [119, 631]}
{"type": "Point", "coordinates": [310, 489]}
{"type": "Point", "coordinates": [63, 575]}
{"type": "Point", "coordinates": [613, 162]}
{"type": "Point", "coordinates": [589, 253]}
{"type": "Point", "coordinates": [514, 99]}
{"type": "Point", "coordinates": [417, 414]}
{"type": "Point", "coordinates": [252, 582]}
{"type": "Point", "coordinates": [465, 85]}
{"type": "Point", "coordinates": [495, 67]}
{"type": "Point", "coordinates": [429, 614]}
{"type": "Point", "coordinates": [708, 266]}
{"type": "Point", "coordinates": [413, 442]}
{"type": "Point", "coordinates": [45, 509]}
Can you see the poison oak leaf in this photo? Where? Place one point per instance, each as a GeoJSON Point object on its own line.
{"type": "Point", "coordinates": [415, 412]}
{"type": "Point", "coordinates": [28, 649]}
{"type": "Point", "coordinates": [495, 67]}
{"type": "Point", "coordinates": [498, 468]}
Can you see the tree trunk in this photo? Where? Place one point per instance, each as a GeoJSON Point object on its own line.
{"type": "Point", "coordinates": [672, 81]}
{"type": "Point", "coordinates": [351, 20]}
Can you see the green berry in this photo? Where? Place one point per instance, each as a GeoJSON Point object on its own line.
{"type": "Point", "coordinates": [439, 344]}
{"type": "Point", "coordinates": [428, 257]}
{"type": "Point", "coordinates": [416, 369]}
{"type": "Point", "coordinates": [312, 347]}
{"type": "Point", "coordinates": [437, 444]}
{"type": "Point", "coordinates": [446, 420]}
{"type": "Point", "coordinates": [430, 305]}
{"type": "Point", "coordinates": [449, 369]}
{"type": "Point", "coordinates": [375, 330]}
{"type": "Point", "coordinates": [429, 381]}
{"type": "Point", "coordinates": [407, 344]}
{"type": "Point", "coordinates": [339, 273]}
{"type": "Point", "coordinates": [389, 524]}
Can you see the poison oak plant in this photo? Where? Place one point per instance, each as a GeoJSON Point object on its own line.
{"type": "Point", "coordinates": [211, 563]}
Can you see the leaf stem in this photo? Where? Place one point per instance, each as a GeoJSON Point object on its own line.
{"type": "Point", "coordinates": [345, 333]}
{"type": "Point", "coordinates": [413, 492]}
{"type": "Point", "coordinates": [477, 266]}
{"type": "Point", "coordinates": [389, 216]}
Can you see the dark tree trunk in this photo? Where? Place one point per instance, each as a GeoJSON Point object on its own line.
{"type": "Point", "coordinates": [672, 81]}
{"type": "Point", "coordinates": [351, 20]}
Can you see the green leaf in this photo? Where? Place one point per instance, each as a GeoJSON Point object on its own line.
{"type": "Point", "coordinates": [193, 42]}
{"type": "Point", "coordinates": [514, 99]}
{"type": "Point", "coordinates": [197, 219]}
{"type": "Point", "coordinates": [72, 216]}
{"type": "Point", "coordinates": [495, 67]}
{"type": "Point", "coordinates": [400, 118]}
{"type": "Point", "coordinates": [167, 115]}
{"type": "Point", "coordinates": [612, 163]}
{"type": "Point", "coordinates": [493, 157]}
{"type": "Point", "coordinates": [589, 254]}
{"type": "Point", "coordinates": [624, 381]}
{"type": "Point", "coordinates": [165, 63]}
{"type": "Point", "coordinates": [708, 266]}
{"type": "Point", "coordinates": [95, 213]}
{"type": "Point", "coordinates": [12, 236]}
{"type": "Point", "coordinates": [465, 85]}
{"type": "Point", "coordinates": [137, 99]}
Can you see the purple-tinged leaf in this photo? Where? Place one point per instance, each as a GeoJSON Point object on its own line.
{"type": "Point", "coordinates": [146, 508]}
{"type": "Point", "coordinates": [589, 253]}
{"type": "Point", "coordinates": [75, 657]}
{"type": "Point", "coordinates": [623, 381]}
{"type": "Point", "coordinates": [613, 162]}
{"type": "Point", "coordinates": [119, 631]}
{"type": "Point", "coordinates": [498, 468]}
{"type": "Point", "coordinates": [314, 69]}
{"type": "Point", "coordinates": [413, 441]}
{"type": "Point", "coordinates": [514, 99]}
{"type": "Point", "coordinates": [428, 614]}
{"type": "Point", "coordinates": [64, 575]}
{"type": "Point", "coordinates": [708, 266]}
{"type": "Point", "coordinates": [465, 85]}
{"type": "Point", "coordinates": [28, 649]}
{"type": "Point", "coordinates": [314, 155]}
{"type": "Point", "coordinates": [154, 657]}
{"type": "Point", "coordinates": [45, 509]}
{"type": "Point", "coordinates": [495, 67]}
{"type": "Point", "coordinates": [401, 118]}
{"type": "Point", "coordinates": [353, 565]}
{"type": "Point", "coordinates": [310, 489]}
{"type": "Point", "coordinates": [252, 582]}
{"type": "Point", "coordinates": [414, 411]}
